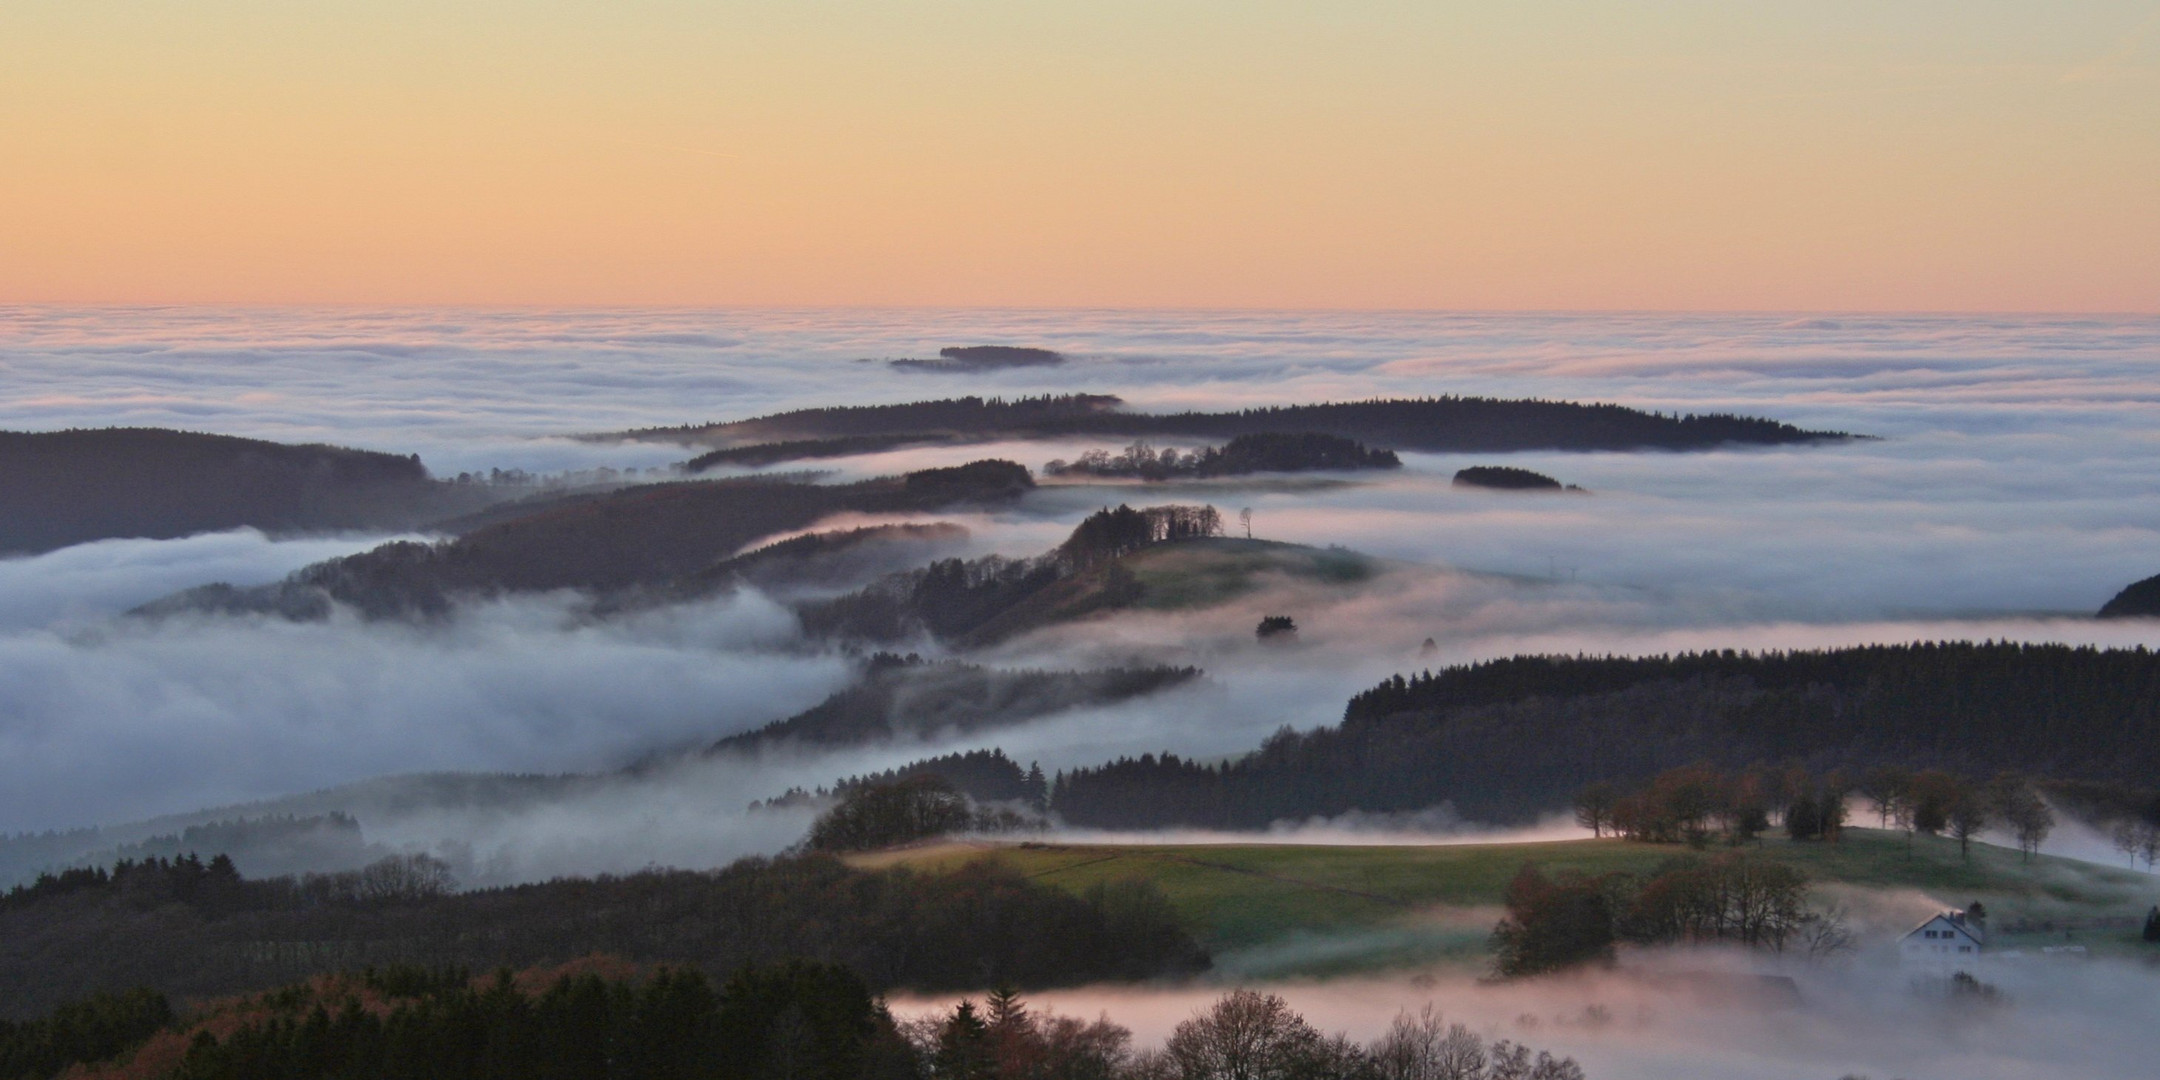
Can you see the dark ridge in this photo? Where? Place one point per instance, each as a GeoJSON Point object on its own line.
{"type": "Point", "coordinates": [1450, 424]}
{"type": "Point", "coordinates": [196, 928]}
{"type": "Point", "coordinates": [760, 454]}
{"type": "Point", "coordinates": [824, 560]}
{"type": "Point", "coordinates": [646, 537]}
{"type": "Point", "coordinates": [266, 846]}
{"type": "Point", "coordinates": [59, 488]}
{"type": "Point", "coordinates": [1505, 478]}
{"type": "Point", "coordinates": [1509, 739]}
{"type": "Point", "coordinates": [1246, 454]}
{"type": "Point", "coordinates": [964, 358]}
{"type": "Point", "coordinates": [907, 697]}
{"type": "Point", "coordinates": [2138, 600]}
{"type": "Point", "coordinates": [970, 416]}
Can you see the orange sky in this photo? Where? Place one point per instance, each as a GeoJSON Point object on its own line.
{"type": "Point", "coordinates": [1829, 154]}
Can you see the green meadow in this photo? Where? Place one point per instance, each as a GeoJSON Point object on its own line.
{"type": "Point", "coordinates": [1299, 909]}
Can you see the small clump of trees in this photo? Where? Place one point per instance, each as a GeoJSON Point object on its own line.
{"type": "Point", "coordinates": [1571, 919]}
{"type": "Point", "coordinates": [912, 808]}
{"type": "Point", "coordinates": [1695, 804]}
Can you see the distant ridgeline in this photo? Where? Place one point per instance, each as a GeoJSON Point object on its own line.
{"type": "Point", "coordinates": [1458, 424]}
{"type": "Point", "coordinates": [647, 537]}
{"type": "Point", "coordinates": [977, 601]}
{"type": "Point", "coordinates": [1270, 452]}
{"type": "Point", "coordinates": [986, 776]}
{"type": "Point", "coordinates": [907, 697]}
{"type": "Point", "coordinates": [965, 358]}
{"type": "Point", "coordinates": [66, 487]}
{"type": "Point", "coordinates": [1509, 739]}
{"type": "Point", "coordinates": [266, 845]}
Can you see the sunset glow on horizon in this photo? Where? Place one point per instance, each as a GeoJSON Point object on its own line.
{"type": "Point", "coordinates": [1554, 155]}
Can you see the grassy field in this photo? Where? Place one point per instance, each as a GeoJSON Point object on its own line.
{"type": "Point", "coordinates": [1275, 909]}
{"type": "Point", "coordinates": [1203, 573]}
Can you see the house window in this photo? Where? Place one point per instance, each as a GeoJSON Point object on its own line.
{"type": "Point", "coordinates": [1964, 948]}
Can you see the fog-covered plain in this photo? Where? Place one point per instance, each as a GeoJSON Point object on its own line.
{"type": "Point", "coordinates": [2013, 490]}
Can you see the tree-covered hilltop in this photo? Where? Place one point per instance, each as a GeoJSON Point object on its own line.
{"type": "Point", "coordinates": [1241, 456]}
{"type": "Point", "coordinates": [66, 487]}
{"type": "Point", "coordinates": [985, 776]}
{"type": "Point", "coordinates": [2137, 600]}
{"type": "Point", "coordinates": [1457, 424]}
{"type": "Point", "coordinates": [1508, 739]}
{"type": "Point", "coordinates": [194, 928]}
{"type": "Point", "coordinates": [1507, 478]}
{"type": "Point", "coordinates": [977, 601]}
{"type": "Point", "coordinates": [646, 537]}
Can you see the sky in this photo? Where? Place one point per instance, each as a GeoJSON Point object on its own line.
{"type": "Point", "coordinates": [1980, 155]}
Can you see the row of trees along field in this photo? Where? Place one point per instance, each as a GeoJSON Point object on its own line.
{"type": "Point", "coordinates": [1696, 803]}
{"type": "Point", "coordinates": [1508, 739]}
{"type": "Point", "coordinates": [797, 1020]}
{"type": "Point", "coordinates": [193, 928]}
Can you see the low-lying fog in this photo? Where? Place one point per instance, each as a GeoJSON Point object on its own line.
{"type": "Point", "coordinates": [1698, 1015]}
{"type": "Point", "coordinates": [2014, 491]}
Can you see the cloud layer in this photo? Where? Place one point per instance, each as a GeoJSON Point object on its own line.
{"type": "Point", "coordinates": [2015, 486]}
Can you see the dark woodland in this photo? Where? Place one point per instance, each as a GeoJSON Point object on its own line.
{"type": "Point", "coordinates": [1508, 739]}
{"type": "Point", "coordinates": [189, 928]}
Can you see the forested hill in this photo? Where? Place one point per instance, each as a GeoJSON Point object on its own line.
{"type": "Point", "coordinates": [1434, 424]}
{"type": "Point", "coordinates": [651, 536]}
{"type": "Point", "coordinates": [66, 487]}
{"type": "Point", "coordinates": [1509, 739]}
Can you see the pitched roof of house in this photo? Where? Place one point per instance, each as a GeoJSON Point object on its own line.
{"type": "Point", "coordinates": [1957, 920]}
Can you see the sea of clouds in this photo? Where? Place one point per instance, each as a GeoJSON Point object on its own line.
{"type": "Point", "coordinates": [2013, 489]}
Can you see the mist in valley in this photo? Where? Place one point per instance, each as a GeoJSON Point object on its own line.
{"type": "Point", "coordinates": [1686, 1014]}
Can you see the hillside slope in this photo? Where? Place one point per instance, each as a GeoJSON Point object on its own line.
{"type": "Point", "coordinates": [67, 487]}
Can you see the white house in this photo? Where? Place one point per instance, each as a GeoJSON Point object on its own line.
{"type": "Point", "coordinates": [1946, 944]}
